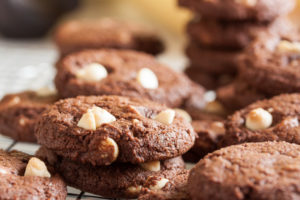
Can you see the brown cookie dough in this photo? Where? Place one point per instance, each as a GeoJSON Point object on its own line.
{"type": "Point", "coordinates": [275, 119]}
{"type": "Point", "coordinates": [216, 61]}
{"type": "Point", "coordinates": [251, 171]}
{"type": "Point", "coordinates": [124, 73]}
{"type": "Point", "coordinates": [74, 36]}
{"type": "Point", "coordinates": [210, 134]}
{"type": "Point", "coordinates": [210, 81]}
{"type": "Point", "coordinates": [19, 112]}
{"type": "Point", "coordinates": [238, 94]}
{"type": "Point", "coordinates": [176, 189]}
{"type": "Point", "coordinates": [233, 34]}
{"type": "Point", "coordinates": [256, 10]}
{"type": "Point", "coordinates": [103, 129]}
{"type": "Point", "coordinates": [23, 177]}
{"type": "Point", "coordinates": [119, 180]}
{"type": "Point", "coordinates": [271, 64]}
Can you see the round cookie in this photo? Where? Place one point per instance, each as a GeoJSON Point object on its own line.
{"type": "Point", "coordinates": [232, 34]}
{"type": "Point", "coordinates": [238, 94]}
{"type": "Point", "coordinates": [124, 73]}
{"type": "Point", "coordinates": [22, 178]}
{"type": "Point", "coordinates": [176, 189]}
{"type": "Point", "coordinates": [103, 129]}
{"type": "Point", "coordinates": [271, 64]}
{"type": "Point", "coordinates": [19, 112]}
{"type": "Point", "coordinates": [275, 119]}
{"type": "Point", "coordinates": [74, 36]}
{"type": "Point", "coordinates": [267, 170]}
{"type": "Point", "coordinates": [252, 10]}
{"type": "Point", "coordinates": [216, 61]}
{"type": "Point", "coordinates": [209, 134]}
{"type": "Point", "coordinates": [210, 81]}
{"type": "Point", "coordinates": [119, 180]}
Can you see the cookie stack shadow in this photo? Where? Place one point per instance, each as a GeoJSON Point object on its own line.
{"type": "Point", "coordinates": [221, 30]}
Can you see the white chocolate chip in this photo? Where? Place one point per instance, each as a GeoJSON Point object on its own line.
{"type": "Point", "coordinates": [110, 143]}
{"type": "Point", "coordinates": [258, 119]}
{"type": "Point", "coordinates": [159, 184]}
{"type": "Point", "coordinates": [87, 121]}
{"type": "Point", "coordinates": [36, 167]}
{"type": "Point", "coordinates": [92, 73]}
{"type": "Point", "coordinates": [102, 116]}
{"type": "Point", "coordinates": [134, 189]}
{"type": "Point", "coordinates": [250, 3]}
{"type": "Point", "coordinates": [285, 46]}
{"type": "Point", "coordinates": [166, 116]}
{"type": "Point", "coordinates": [147, 78]}
{"type": "Point", "coordinates": [45, 91]}
{"type": "Point", "coordinates": [209, 96]}
{"type": "Point", "coordinates": [153, 166]}
{"type": "Point", "coordinates": [94, 118]}
{"type": "Point", "coordinates": [183, 114]}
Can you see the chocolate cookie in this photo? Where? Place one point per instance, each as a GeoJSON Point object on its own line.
{"type": "Point", "coordinates": [251, 171]}
{"type": "Point", "coordinates": [103, 129]}
{"type": "Point", "coordinates": [124, 73]}
{"type": "Point", "coordinates": [106, 33]}
{"type": "Point", "coordinates": [19, 112]}
{"type": "Point", "coordinates": [210, 81]}
{"type": "Point", "coordinates": [210, 134]}
{"type": "Point", "coordinates": [216, 61]}
{"type": "Point", "coordinates": [275, 119]}
{"type": "Point", "coordinates": [232, 34]}
{"type": "Point", "coordinates": [256, 10]}
{"type": "Point", "coordinates": [175, 189]}
{"type": "Point", "coordinates": [238, 94]}
{"type": "Point", "coordinates": [26, 177]}
{"type": "Point", "coordinates": [119, 180]}
{"type": "Point", "coordinates": [271, 64]}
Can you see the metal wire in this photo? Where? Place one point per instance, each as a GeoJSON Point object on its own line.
{"type": "Point", "coordinates": [71, 195]}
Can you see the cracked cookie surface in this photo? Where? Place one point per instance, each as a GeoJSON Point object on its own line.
{"type": "Point", "coordinates": [140, 131]}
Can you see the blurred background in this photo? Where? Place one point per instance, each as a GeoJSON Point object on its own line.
{"type": "Point", "coordinates": [27, 52]}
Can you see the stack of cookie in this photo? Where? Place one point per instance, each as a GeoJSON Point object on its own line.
{"type": "Point", "coordinates": [222, 29]}
{"type": "Point", "coordinates": [114, 146]}
{"type": "Point", "coordinates": [268, 67]}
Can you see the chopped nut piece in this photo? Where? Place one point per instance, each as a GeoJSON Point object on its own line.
{"type": "Point", "coordinates": [166, 116]}
{"type": "Point", "coordinates": [87, 121]}
{"type": "Point", "coordinates": [159, 184]}
{"type": "Point", "coordinates": [153, 166]}
{"type": "Point", "coordinates": [134, 189]}
{"type": "Point", "coordinates": [94, 118]}
{"type": "Point", "coordinates": [285, 46]}
{"type": "Point", "coordinates": [183, 114]}
{"type": "Point", "coordinates": [214, 107]}
{"type": "Point", "coordinates": [102, 116]}
{"type": "Point", "coordinates": [36, 167]}
{"type": "Point", "coordinates": [105, 145]}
